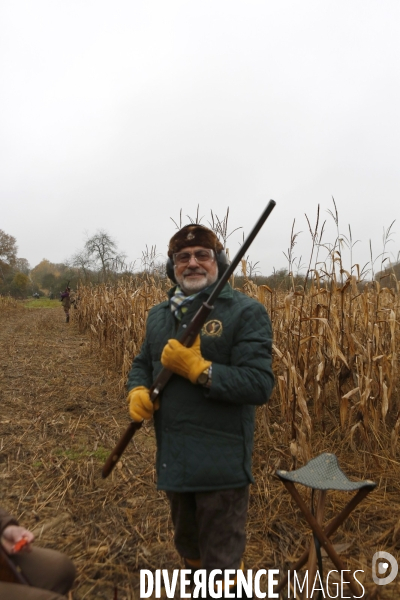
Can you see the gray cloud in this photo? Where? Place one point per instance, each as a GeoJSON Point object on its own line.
{"type": "Point", "coordinates": [116, 116]}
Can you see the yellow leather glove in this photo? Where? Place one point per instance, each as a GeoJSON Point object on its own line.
{"type": "Point", "coordinates": [140, 405]}
{"type": "Point", "coordinates": [186, 362]}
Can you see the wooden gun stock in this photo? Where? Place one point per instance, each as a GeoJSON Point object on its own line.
{"type": "Point", "coordinates": [187, 339]}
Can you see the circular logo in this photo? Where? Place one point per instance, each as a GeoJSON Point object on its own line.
{"type": "Point", "coordinates": [213, 328]}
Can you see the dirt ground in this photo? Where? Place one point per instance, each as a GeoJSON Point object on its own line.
{"type": "Point", "coordinates": [63, 409]}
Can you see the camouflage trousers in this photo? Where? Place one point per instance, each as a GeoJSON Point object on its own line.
{"type": "Point", "coordinates": [210, 527]}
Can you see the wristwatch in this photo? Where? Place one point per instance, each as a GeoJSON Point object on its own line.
{"type": "Point", "coordinates": [205, 377]}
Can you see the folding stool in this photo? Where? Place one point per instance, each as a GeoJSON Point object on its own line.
{"type": "Point", "coordinates": [323, 473]}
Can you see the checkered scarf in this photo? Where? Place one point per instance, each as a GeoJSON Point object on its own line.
{"type": "Point", "coordinates": [179, 303]}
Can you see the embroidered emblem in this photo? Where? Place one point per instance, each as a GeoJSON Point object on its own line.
{"type": "Point", "coordinates": [213, 328]}
{"type": "Point", "coordinates": [190, 236]}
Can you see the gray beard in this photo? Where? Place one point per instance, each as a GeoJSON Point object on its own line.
{"type": "Point", "coordinates": [190, 287]}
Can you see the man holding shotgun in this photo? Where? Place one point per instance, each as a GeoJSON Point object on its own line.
{"type": "Point", "coordinates": [204, 420]}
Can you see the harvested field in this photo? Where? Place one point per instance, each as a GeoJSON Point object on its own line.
{"type": "Point", "coordinates": [63, 409]}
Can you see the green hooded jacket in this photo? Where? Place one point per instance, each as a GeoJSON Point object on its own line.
{"type": "Point", "coordinates": [205, 436]}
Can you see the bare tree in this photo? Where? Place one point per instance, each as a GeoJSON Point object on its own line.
{"type": "Point", "coordinates": [103, 251]}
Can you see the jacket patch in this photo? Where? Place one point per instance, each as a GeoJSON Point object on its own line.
{"type": "Point", "coordinates": [213, 328]}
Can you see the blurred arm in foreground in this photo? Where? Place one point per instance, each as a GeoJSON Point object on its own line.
{"type": "Point", "coordinates": [48, 574]}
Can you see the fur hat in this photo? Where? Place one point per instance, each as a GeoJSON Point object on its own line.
{"type": "Point", "coordinates": [194, 235]}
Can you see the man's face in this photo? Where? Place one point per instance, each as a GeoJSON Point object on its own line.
{"type": "Point", "coordinates": [194, 275]}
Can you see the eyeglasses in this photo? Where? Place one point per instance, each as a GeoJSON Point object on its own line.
{"type": "Point", "coordinates": [200, 256]}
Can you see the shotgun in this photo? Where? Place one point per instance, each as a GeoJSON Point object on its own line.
{"type": "Point", "coordinates": [187, 340]}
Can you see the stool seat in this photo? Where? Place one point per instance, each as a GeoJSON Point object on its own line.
{"type": "Point", "coordinates": [324, 473]}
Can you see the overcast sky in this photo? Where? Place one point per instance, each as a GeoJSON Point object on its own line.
{"type": "Point", "coordinates": [116, 115]}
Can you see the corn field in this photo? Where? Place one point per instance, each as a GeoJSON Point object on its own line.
{"type": "Point", "coordinates": [115, 316]}
{"type": "Point", "coordinates": [63, 409]}
{"type": "Point", "coordinates": [334, 352]}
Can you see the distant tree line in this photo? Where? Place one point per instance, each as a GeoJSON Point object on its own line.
{"type": "Point", "coordinates": [101, 261]}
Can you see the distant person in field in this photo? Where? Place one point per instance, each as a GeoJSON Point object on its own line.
{"type": "Point", "coordinates": [205, 418]}
{"type": "Point", "coordinates": [67, 298]}
{"type": "Point", "coordinates": [50, 574]}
